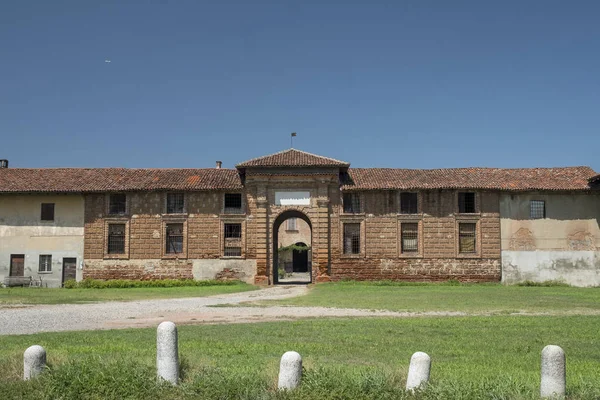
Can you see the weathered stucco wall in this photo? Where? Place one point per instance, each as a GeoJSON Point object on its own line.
{"type": "Point", "coordinates": [23, 232]}
{"type": "Point", "coordinates": [563, 246]}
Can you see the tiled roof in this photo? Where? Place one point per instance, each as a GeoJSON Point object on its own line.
{"type": "Point", "coordinates": [568, 178]}
{"type": "Point", "coordinates": [21, 180]}
{"type": "Point", "coordinates": [293, 158]}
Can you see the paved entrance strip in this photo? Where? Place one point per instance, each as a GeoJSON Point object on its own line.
{"type": "Point", "coordinates": [29, 319]}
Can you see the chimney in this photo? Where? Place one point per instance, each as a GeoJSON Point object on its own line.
{"type": "Point", "coordinates": [3, 163]}
{"type": "Point", "coordinates": [219, 163]}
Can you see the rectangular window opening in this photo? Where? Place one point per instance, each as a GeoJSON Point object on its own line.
{"type": "Point", "coordinates": [47, 212]}
{"type": "Point", "coordinates": [175, 203]}
{"type": "Point", "coordinates": [537, 209]}
{"type": "Point", "coordinates": [410, 237]}
{"type": "Point", "coordinates": [116, 239]}
{"type": "Point", "coordinates": [117, 204]}
{"type": "Point", "coordinates": [45, 263]}
{"type": "Point", "coordinates": [291, 224]}
{"type": "Point", "coordinates": [233, 231]}
{"type": "Point", "coordinates": [467, 237]}
{"type": "Point", "coordinates": [174, 235]}
{"type": "Point", "coordinates": [351, 203]}
{"type": "Point", "coordinates": [233, 203]}
{"type": "Point", "coordinates": [466, 202]}
{"type": "Point", "coordinates": [408, 203]}
{"type": "Point", "coordinates": [351, 238]}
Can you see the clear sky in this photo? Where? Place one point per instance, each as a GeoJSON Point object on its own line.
{"type": "Point", "coordinates": [400, 83]}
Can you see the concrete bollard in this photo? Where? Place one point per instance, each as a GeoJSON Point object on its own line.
{"type": "Point", "coordinates": [553, 372]}
{"type": "Point", "coordinates": [290, 370]}
{"type": "Point", "coordinates": [167, 354]}
{"type": "Point", "coordinates": [34, 362]}
{"type": "Point", "coordinates": [418, 371]}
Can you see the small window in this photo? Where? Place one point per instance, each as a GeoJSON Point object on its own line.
{"type": "Point", "coordinates": [174, 243]}
{"type": "Point", "coordinates": [351, 203]}
{"type": "Point", "coordinates": [467, 237]}
{"type": "Point", "coordinates": [408, 203]}
{"type": "Point", "coordinates": [233, 203]}
{"type": "Point", "coordinates": [45, 263]}
{"type": "Point", "coordinates": [175, 203]}
{"type": "Point", "coordinates": [410, 237]}
{"type": "Point", "coordinates": [232, 252]}
{"type": "Point", "coordinates": [352, 238]}
{"type": "Point", "coordinates": [116, 239]}
{"type": "Point", "coordinates": [117, 203]}
{"type": "Point", "coordinates": [47, 212]}
{"type": "Point", "coordinates": [537, 209]}
{"type": "Point", "coordinates": [466, 202]}
{"type": "Point", "coordinates": [233, 231]}
{"type": "Point", "coordinates": [291, 224]}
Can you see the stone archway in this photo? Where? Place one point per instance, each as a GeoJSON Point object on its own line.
{"type": "Point", "coordinates": [278, 267]}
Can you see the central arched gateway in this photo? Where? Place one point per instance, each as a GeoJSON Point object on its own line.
{"type": "Point", "coordinates": [290, 274]}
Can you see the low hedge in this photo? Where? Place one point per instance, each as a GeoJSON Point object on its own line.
{"type": "Point", "coordinates": [127, 283]}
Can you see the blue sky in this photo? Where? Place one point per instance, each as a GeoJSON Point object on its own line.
{"type": "Point", "coordinates": [407, 84]}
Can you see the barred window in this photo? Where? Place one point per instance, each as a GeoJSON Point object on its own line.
{"type": "Point", "coordinates": [351, 203]}
{"type": "Point", "coordinates": [233, 231]}
{"type": "Point", "coordinates": [233, 203]}
{"type": "Point", "coordinates": [45, 263]}
{"type": "Point", "coordinates": [232, 252]}
{"type": "Point", "coordinates": [537, 209]}
{"type": "Point", "coordinates": [408, 203]}
{"type": "Point", "coordinates": [47, 212]}
{"type": "Point", "coordinates": [174, 235]}
{"type": "Point", "coordinates": [352, 238]}
{"type": "Point", "coordinates": [117, 203]}
{"type": "Point", "coordinates": [466, 202]}
{"type": "Point", "coordinates": [409, 233]}
{"type": "Point", "coordinates": [291, 224]}
{"type": "Point", "coordinates": [175, 203]}
{"type": "Point", "coordinates": [116, 239]}
{"type": "Point", "coordinates": [467, 237]}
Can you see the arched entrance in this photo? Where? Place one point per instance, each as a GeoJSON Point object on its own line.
{"type": "Point", "coordinates": [292, 248]}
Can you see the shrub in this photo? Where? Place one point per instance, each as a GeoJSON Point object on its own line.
{"type": "Point", "coordinates": [554, 283]}
{"type": "Point", "coordinates": [126, 283]}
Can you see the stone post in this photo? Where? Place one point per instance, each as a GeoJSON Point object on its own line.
{"type": "Point", "coordinates": [167, 357]}
{"type": "Point", "coordinates": [290, 371]}
{"type": "Point", "coordinates": [34, 362]}
{"type": "Point", "coordinates": [418, 371]}
{"type": "Point", "coordinates": [553, 372]}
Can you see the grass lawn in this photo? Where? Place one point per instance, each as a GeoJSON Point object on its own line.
{"type": "Point", "coordinates": [9, 296]}
{"type": "Point", "coordinates": [436, 297]}
{"type": "Point", "coordinates": [472, 358]}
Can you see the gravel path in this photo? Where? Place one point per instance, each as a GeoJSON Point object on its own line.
{"type": "Point", "coordinates": [134, 314]}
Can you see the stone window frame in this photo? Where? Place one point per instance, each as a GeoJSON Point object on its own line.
{"type": "Point", "coordinates": [48, 268]}
{"type": "Point", "coordinates": [410, 219]}
{"type": "Point", "coordinates": [467, 220]}
{"type": "Point", "coordinates": [363, 235]}
{"type": "Point", "coordinates": [127, 204]}
{"type": "Point", "coordinates": [232, 219]}
{"type": "Point", "coordinates": [242, 208]}
{"type": "Point", "coordinates": [361, 199]}
{"type": "Point", "coordinates": [163, 246]}
{"type": "Point", "coordinates": [419, 203]}
{"type": "Point", "coordinates": [116, 220]}
{"type": "Point", "coordinates": [164, 203]}
{"type": "Point", "coordinates": [477, 202]}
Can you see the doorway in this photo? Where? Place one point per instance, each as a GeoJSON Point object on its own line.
{"type": "Point", "coordinates": [17, 265]}
{"type": "Point", "coordinates": [292, 253]}
{"type": "Point", "coordinates": [69, 269]}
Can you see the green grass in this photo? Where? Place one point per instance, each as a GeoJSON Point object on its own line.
{"type": "Point", "coordinates": [472, 358]}
{"type": "Point", "coordinates": [493, 298]}
{"type": "Point", "coordinates": [13, 296]}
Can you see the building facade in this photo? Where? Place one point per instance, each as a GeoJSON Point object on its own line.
{"type": "Point", "coordinates": [470, 224]}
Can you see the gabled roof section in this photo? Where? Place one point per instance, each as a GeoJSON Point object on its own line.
{"type": "Point", "coordinates": [293, 158]}
{"type": "Point", "coordinates": [509, 179]}
{"type": "Point", "coordinates": [87, 180]}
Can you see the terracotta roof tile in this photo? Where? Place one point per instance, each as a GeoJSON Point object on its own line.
{"type": "Point", "coordinates": [22, 180]}
{"type": "Point", "coordinates": [567, 178]}
{"type": "Point", "coordinates": [293, 158]}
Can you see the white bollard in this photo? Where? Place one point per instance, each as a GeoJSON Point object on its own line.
{"type": "Point", "coordinates": [167, 355]}
{"type": "Point", "coordinates": [553, 372]}
{"type": "Point", "coordinates": [418, 371]}
{"type": "Point", "coordinates": [290, 370]}
{"type": "Point", "coordinates": [34, 362]}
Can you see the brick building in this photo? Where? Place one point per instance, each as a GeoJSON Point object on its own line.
{"type": "Point", "coordinates": [422, 225]}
